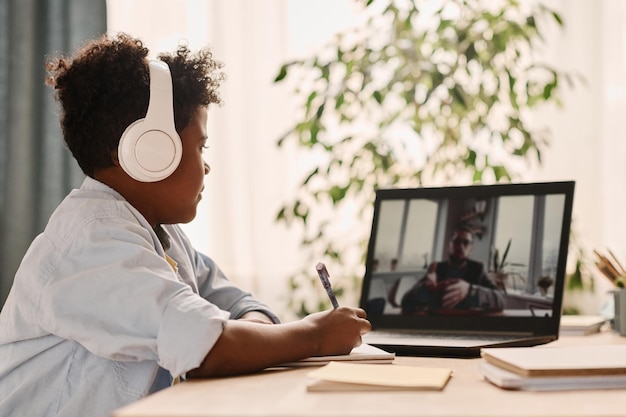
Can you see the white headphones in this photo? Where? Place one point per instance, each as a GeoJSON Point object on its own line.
{"type": "Point", "coordinates": [150, 148]}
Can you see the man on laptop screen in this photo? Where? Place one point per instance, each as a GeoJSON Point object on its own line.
{"type": "Point", "coordinates": [457, 283]}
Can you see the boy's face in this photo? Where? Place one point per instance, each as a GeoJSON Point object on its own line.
{"type": "Point", "coordinates": [175, 199]}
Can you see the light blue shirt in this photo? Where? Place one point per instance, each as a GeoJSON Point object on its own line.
{"type": "Point", "coordinates": [97, 318]}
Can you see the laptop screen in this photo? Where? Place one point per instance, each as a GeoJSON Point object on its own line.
{"type": "Point", "coordinates": [469, 257]}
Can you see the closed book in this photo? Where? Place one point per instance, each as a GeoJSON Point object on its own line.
{"type": "Point", "coordinates": [350, 376]}
{"type": "Point", "coordinates": [559, 361]}
{"type": "Point", "coordinates": [572, 325]}
{"type": "Point", "coordinates": [509, 380]}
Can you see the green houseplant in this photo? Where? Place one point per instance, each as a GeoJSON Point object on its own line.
{"type": "Point", "coordinates": [416, 96]}
{"type": "Point", "coordinates": [580, 282]}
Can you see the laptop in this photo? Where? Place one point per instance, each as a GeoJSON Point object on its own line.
{"type": "Point", "coordinates": [451, 270]}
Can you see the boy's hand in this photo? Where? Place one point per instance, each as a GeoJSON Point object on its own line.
{"type": "Point", "coordinates": [339, 330]}
{"type": "Point", "coordinates": [247, 346]}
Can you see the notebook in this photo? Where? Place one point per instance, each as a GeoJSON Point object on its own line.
{"type": "Point", "coordinates": [563, 361]}
{"type": "Point", "coordinates": [361, 354]}
{"type": "Point", "coordinates": [451, 270]}
{"type": "Point", "coordinates": [351, 376]}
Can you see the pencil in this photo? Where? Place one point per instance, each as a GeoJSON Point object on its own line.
{"type": "Point", "coordinates": [325, 278]}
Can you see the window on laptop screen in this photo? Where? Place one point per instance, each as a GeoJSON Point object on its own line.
{"type": "Point", "coordinates": [469, 251]}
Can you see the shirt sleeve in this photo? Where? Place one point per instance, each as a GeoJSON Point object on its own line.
{"type": "Point", "coordinates": [113, 293]}
{"type": "Point", "coordinates": [212, 283]}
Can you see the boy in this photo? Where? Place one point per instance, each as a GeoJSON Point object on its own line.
{"type": "Point", "coordinates": [111, 302]}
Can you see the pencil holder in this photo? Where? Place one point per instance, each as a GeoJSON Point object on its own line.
{"type": "Point", "coordinates": [619, 320]}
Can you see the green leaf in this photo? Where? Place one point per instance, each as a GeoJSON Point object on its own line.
{"type": "Point", "coordinates": [300, 211]}
{"type": "Point", "coordinates": [303, 311]}
{"type": "Point", "coordinates": [378, 96]}
{"type": "Point", "coordinates": [457, 94]}
{"type": "Point", "coordinates": [281, 214]}
{"type": "Point", "coordinates": [282, 139]}
{"type": "Point", "coordinates": [325, 72]}
{"type": "Point", "coordinates": [282, 73]}
{"type": "Point", "coordinates": [339, 100]}
{"type": "Point", "coordinates": [547, 90]}
{"type": "Point", "coordinates": [471, 158]}
{"type": "Point", "coordinates": [496, 260]}
{"type": "Point", "coordinates": [504, 255]}
{"type": "Point", "coordinates": [309, 100]}
{"type": "Point", "coordinates": [500, 172]}
{"type": "Point", "coordinates": [320, 111]}
{"type": "Point", "coordinates": [313, 131]}
{"type": "Point", "coordinates": [337, 193]}
{"type": "Point", "coordinates": [470, 52]}
{"type": "Point", "coordinates": [293, 284]}
{"type": "Point", "coordinates": [575, 281]}
{"type": "Point", "coordinates": [311, 175]}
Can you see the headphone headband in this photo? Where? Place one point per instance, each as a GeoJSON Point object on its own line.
{"type": "Point", "coordinates": [150, 149]}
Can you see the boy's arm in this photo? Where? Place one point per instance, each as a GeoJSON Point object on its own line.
{"type": "Point", "coordinates": [246, 346]}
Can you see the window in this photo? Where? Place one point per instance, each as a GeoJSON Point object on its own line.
{"type": "Point", "coordinates": [532, 225]}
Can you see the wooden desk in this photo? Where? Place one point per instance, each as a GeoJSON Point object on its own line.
{"type": "Point", "coordinates": [283, 393]}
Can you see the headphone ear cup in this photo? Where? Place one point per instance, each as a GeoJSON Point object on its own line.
{"type": "Point", "coordinates": [148, 154]}
{"type": "Point", "coordinates": [150, 149]}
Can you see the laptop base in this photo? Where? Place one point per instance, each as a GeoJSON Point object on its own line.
{"type": "Point", "coordinates": [458, 351]}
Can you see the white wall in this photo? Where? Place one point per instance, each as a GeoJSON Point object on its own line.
{"type": "Point", "coordinates": [588, 140]}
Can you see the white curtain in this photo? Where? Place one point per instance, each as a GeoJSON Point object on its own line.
{"type": "Point", "coordinates": [251, 177]}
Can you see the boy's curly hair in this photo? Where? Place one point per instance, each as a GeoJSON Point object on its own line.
{"type": "Point", "coordinates": [105, 86]}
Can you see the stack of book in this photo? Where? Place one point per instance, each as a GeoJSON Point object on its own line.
{"type": "Point", "coordinates": [555, 368]}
